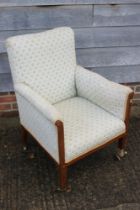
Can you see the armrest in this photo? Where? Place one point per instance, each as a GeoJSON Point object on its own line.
{"type": "Point", "coordinates": [40, 103]}
{"type": "Point", "coordinates": [111, 96]}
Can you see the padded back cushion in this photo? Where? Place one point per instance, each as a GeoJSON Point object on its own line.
{"type": "Point", "coordinates": [45, 61]}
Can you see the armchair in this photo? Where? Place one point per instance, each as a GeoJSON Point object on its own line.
{"type": "Point", "coordinates": [69, 110]}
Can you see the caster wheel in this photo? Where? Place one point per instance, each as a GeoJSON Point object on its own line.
{"type": "Point", "coordinates": [24, 148]}
{"type": "Point", "coordinates": [120, 154]}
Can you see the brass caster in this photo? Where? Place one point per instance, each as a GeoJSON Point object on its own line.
{"type": "Point", "coordinates": [120, 154]}
{"type": "Point", "coordinates": [31, 155]}
{"type": "Point", "coordinates": [24, 148]}
{"type": "Point", "coordinates": [67, 189]}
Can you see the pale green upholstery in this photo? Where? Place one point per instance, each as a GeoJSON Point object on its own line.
{"type": "Point", "coordinates": [50, 86]}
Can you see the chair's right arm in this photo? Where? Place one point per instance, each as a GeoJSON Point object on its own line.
{"type": "Point", "coordinates": [40, 118]}
{"type": "Point", "coordinates": [40, 103]}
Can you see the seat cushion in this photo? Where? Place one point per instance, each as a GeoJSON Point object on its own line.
{"type": "Point", "coordinates": [86, 126]}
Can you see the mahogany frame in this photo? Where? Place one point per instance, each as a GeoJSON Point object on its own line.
{"type": "Point", "coordinates": [63, 167]}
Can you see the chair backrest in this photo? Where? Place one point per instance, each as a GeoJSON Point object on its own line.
{"type": "Point", "coordinates": [45, 61]}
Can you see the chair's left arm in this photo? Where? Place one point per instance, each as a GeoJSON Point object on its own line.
{"type": "Point", "coordinates": [111, 96]}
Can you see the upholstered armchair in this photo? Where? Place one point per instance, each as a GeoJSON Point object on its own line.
{"type": "Point", "coordinates": [70, 111]}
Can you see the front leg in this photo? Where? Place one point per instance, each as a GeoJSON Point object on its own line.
{"type": "Point", "coordinates": [63, 177]}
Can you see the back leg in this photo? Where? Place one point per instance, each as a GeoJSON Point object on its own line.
{"type": "Point", "coordinates": [24, 135]}
{"type": "Point", "coordinates": [121, 148]}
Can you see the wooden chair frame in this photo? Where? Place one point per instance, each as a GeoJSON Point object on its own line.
{"type": "Point", "coordinates": [63, 167]}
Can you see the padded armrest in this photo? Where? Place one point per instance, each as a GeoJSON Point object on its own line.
{"type": "Point", "coordinates": [40, 103]}
{"type": "Point", "coordinates": [109, 95]}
